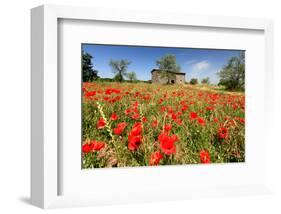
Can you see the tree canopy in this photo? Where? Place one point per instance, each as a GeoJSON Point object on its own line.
{"type": "Point", "coordinates": [232, 75]}
{"type": "Point", "coordinates": [88, 73]}
{"type": "Point", "coordinates": [205, 80]}
{"type": "Point", "coordinates": [168, 65]}
{"type": "Point", "coordinates": [132, 76]}
{"type": "Point", "coordinates": [193, 81]}
{"type": "Point", "coordinates": [119, 68]}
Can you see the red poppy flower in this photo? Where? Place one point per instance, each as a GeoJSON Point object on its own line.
{"type": "Point", "coordinates": [101, 123]}
{"type": "Point", "coordinates": [241, 120]}
{"type": "Point", "coordinates": [135, 109]}
{"type": "Point", "coordinates": [163, 108]}
{"type": "Point", "coordinates": [135, 137]}
{"type": "Point", "coordinates": [167, 127]}
{"type": "Point", "coordinates": [178, 121]}
{"type": "Point", "coordinates": [155, 158]}
{"type": "Point", "coordinates": [114, 116]}
{"type": "Point", "coordinates": [167, 143]}
{"type": "Point", "coordinates": [210, 108]}
{"type": "Point", "coordinates": [171, 111]}
{"type": "Point", "coordinates": [84, 89]}
{"type": "Point", "coordinates": [201, 121]}
{"type": "Point", "coordinates": [120, 128]}
{"type": "Point", "coordinates": [183, 102]}
{"type": "Point", "coordinates": [160, 101]}
{"type": "Point", "coordinates": [184, 108]}
{"type": "Point", "coordinates": [90, 93]}
{"type": "Point", "coordinates": [174, 116]}
{"type": "Point", "coordinates": [127, 111]}
{"type": "Point", "coordinates": [136, 129]}
{"type": "Point", "coordinates": [135, 116]}
{"type": "Point", "coordinates": [154, 123]}
{"type": "Point", "coordinates": [86, 148]}
{"type": "Point", "coordinates": [179, 113]}
{"type": "Point", "coordinates": [144, 119]}
{"type": "Point", "coordinates": [193, 115]}
{"type": "Point", "coordinates": [112, 90]}
{"type": "Point", "coordinates": [134, 142]}
{"type": "Point", "coordinates": [205, 157]}
{"type": "Point", "coordinates": [222, 133]}
{"type": "Point", "coordinates": [136, 104]}
{"type": "Point", "coordinates": [106, 98]}
{"type": "Point", "coordinates": [108, 91]}
{"type": "Point", "coordinates": [96, 145]}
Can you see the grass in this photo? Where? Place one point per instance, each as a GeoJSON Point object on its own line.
{"type": "Point", "coordinates": [164, 125]}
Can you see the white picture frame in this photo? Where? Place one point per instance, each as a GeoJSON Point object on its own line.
{"type": "Point", "coordinates": [45, 89]}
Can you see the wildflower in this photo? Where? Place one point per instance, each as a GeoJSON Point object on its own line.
{"type": "Point", "coordinates": [205, 156]}
{"type": "Point", "coordinates": [86, 148]}
{"type": "Point", "coordinates": [114, 116]}
{"type": "Point", "coordinates": [135, 116]}
{"type": "Point", "coordinates": [174, 116]}
{"type": "Point", "coordinates": [135, 137]}
{"type": "Point", "coordinates": [167, 127]}
{"type": "Point", "coordinates": [241, 120]}
{"type": "Point", "coordinates": [155, 158]}
{"type": "Point", "coordinates": [112, 90]}
{"type": "Point", "coordinates": [210, 108]}
{"type": "Point", "coordinates": [90, 93]}
{"type": "Point", "coordinates": [154, 123]}
{"type": "Point", "coordinates": [134, 142]}
{"type": "Point", "coordinates": [167, 143]}
{"type": "Point", "coordinates": [120, 128]}
{"type": "Point", "coordinates": [96, 145]}
{"type": "Point", "coordinates": [93, 146]}
{"type": "Point", "coordinates": [178, 121]}
{"type": "Point", "coordinates": [193, 115]}
{"type": "Point", "coordinates": [136, 129]}
{"type": "Point", "coordinates": [222, 133]}
{"type": "Point", "coordinates": [127, 111]}
{"type": "Point", "coordinates": [136, 104]}
{"type": "Point", "coordinates": [84, 89]}
{"type": "Point", "coordinates": [144, 119]}
{"type": "Point", "coordinates": [101, 123]}
{"type": "Point", "coordinates": [201, 121]}
{"type": "Point", "coordinates": [160, 101]}
{"type": "Point", "coordinates": [184, 108]}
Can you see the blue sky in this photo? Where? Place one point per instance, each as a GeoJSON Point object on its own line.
{"type": "Point", "coordinates": [196, 63]}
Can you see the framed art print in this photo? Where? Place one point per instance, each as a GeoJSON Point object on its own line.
{"type": "Point", "coordinates": [135, 106]}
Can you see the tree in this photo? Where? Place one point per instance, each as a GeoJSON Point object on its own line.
{"type": "Point", "coordinates": [119, 68]}
{"type": "Point", "coordinates": [232, 75]}
{"type": "Point", "coordinates": [132, 76]}
{"type": "Point", "coordinates": [118, 78]}
{"type": "Point", "coordinates": [168, 65]}
{"type": "Point", "coordinates": [193, 81]}
{"type": "Point", "coordinates": [88, 73]}
{"type": "Point", "coordinates": [205, 81]}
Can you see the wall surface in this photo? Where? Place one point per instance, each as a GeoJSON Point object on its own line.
{"type": "Point", "coordinates": [15, 107]}
{"type": "Point", "coordinates": [180, 79]}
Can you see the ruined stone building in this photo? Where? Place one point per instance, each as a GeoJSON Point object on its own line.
{"type": "Point", "coordinates": [157, 77]}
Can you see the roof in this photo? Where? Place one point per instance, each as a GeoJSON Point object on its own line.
{"type": "Point", "coordinates": [155, 69]}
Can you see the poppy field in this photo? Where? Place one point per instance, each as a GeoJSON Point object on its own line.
{"type": "Point", "coordinates": [141, 124]}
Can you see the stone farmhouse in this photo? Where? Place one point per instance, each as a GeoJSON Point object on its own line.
{"type": "Point", "coordinates": [178, 78]}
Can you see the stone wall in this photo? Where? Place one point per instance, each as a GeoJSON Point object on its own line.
{"type": "Point", "coordinates": [180, 79]}
{"type": "Point", "coordinates": [156, 78]}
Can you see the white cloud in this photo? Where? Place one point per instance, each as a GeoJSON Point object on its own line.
{"type": "Point", "coordinates": [202, 65]}
{"type": "Point", "coordinates": [189, 62]}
